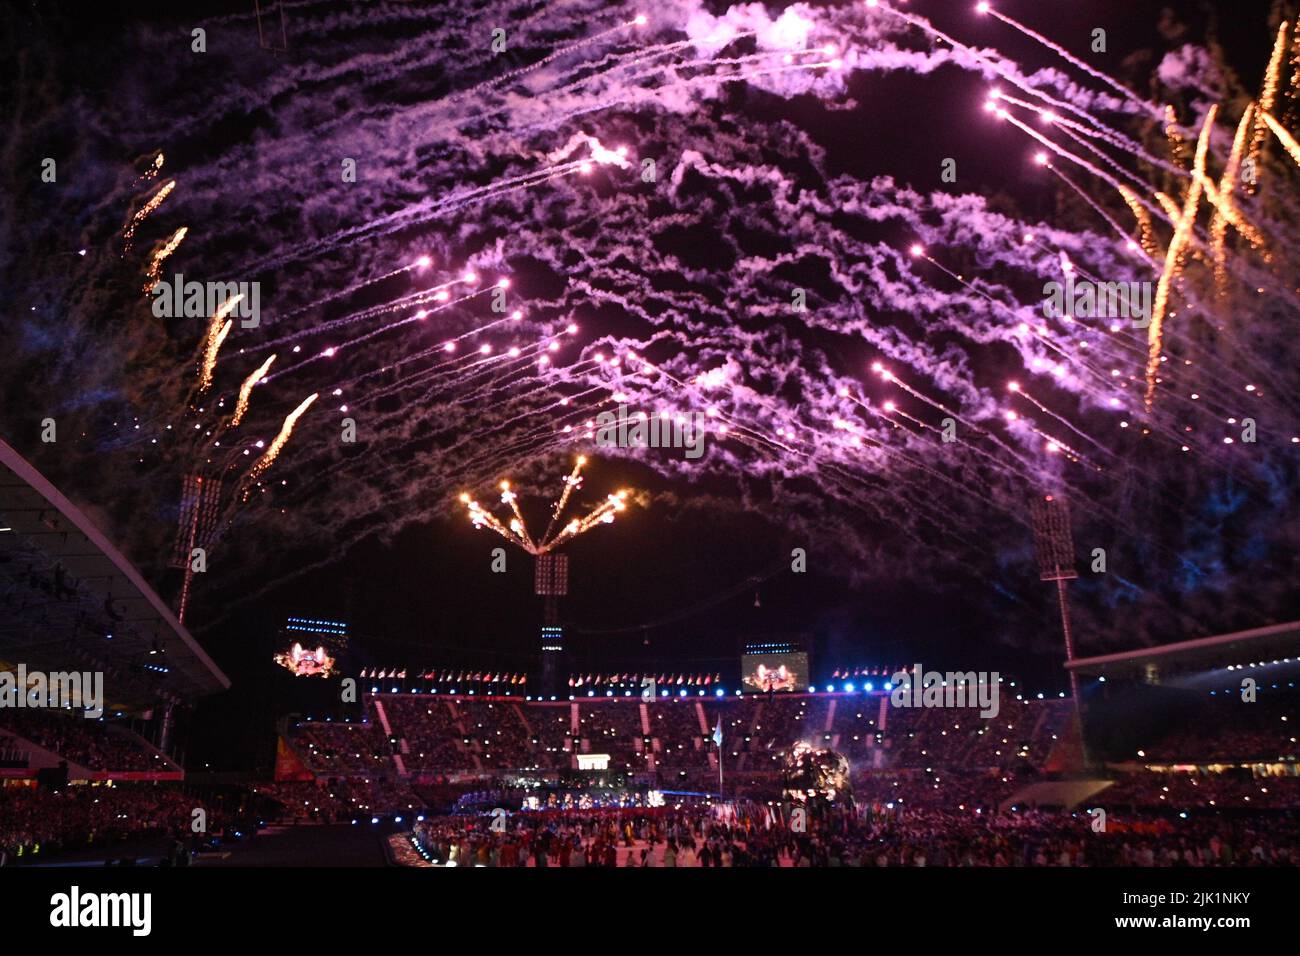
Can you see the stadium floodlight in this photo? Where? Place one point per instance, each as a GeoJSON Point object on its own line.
{"type": "Point", "coordinates": [1054, 549]}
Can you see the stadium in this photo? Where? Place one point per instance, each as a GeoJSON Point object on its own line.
{"type": "Point", "coordinates": [472, 767]}
{"type": "Point", "coordinates": [828, 435]}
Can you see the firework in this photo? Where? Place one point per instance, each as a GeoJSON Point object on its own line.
{"type": "Point", "coordinates": [1286, 139]}
{"type": "Point", "coordinates": [1225, 213]}
{"type": "Point", "coordinates": [1267, 96]}
{"type": "Point", "coordinates": [273, 450]}
{"type": "Point", "coordinates": [516, 532]}
{"type": "Point", "coordinates": [155, 201]}
{"type": "Point", "coordinates": [212, 341]}
{"type": "Point", "coordinates": [155, 263]}
{"type": "Point", "coordinates": [1174, 255]}
{"type": "Point", "coordinates": [1146, 240]}
{"type": "Point", "coordinates": [246, 390]}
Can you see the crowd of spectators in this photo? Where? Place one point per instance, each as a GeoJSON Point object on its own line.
{"type": "Point", "coordinates": [553, 729]}
{"type": "Point", "coordinates": [915, 837]}
{"type": "Point", "coordinates": [89, 743]}
{"type": "Point", "coordinates": [1224, 789]}
{"type": "Point", "coordinates": [676, 737]}
{"type": "Point", "coordinates": [336, 800]}
{"type": "Point", "coordinates": [430, 733]}
{"type": "Point", "coordinates": [36, 820]}
{"type": "Point", "coordinates": [1021, 734]}
{"type": "Point", "coordinates": [1227, 728]}
{"type": "Point", "coordinates": [499, 737]}
{"type": "Point", "coordinates": [337, 747]}
{"type": "Point", "coordinates": [469, 734]}
{"type": "Point", "coordinates": [613, 728]}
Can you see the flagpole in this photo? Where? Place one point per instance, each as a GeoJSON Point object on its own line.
{"type": "Point", "coordinates": [718, 740]}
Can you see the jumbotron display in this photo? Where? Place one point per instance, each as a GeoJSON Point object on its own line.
{"type": "Point", "coordinates": [772, 672]}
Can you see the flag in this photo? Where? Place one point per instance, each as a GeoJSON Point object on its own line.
{"type": "Point", "coordinates": [717, 733]}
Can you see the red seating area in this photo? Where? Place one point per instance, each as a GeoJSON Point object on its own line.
{"type": "Point", "coordinates": [335, 748]}
{"type": "Point", "coordinates": [37, 820]}
{"type": "Point", "coordinates": [1021, 734]}
{"type": "Point", "coordinates": [498, 735]}
{"type": "Point", "coordinates": [1226, 728]}
{"type": "Point", "coordinates": [434, 733]}
{"type": "Point", "coordinates": [675, 727]}
{"type": "Point", "coordinates": [940, 758]}
{"type": "Point", "coordinates": [89, 743]}
{"type": "Point", "coordinates": [614, 728]}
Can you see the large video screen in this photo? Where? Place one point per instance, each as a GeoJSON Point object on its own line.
{"type": "Point", "coordinates": [765, 672]}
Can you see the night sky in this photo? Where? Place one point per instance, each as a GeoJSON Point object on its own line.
{"type": "Point", "coordinates": [815, 179]}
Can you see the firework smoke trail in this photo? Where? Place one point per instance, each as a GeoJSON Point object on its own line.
{"type": "Point", "coordinates": [1065, 54]}
{"type": "Point", "coordinates": [1069, 129]}
{"type": "Point", "coordinates": [1173, 257]}
{"type": "Point", "coordinates": [1094, 129]}
{"type": "Point", "coordinates": [246, 391]}
{"type": "Point", "coordinates": [637, 21]}
{"type": "Point", "coordinates": [128, 234]}
{"type": "Point", "coordinates": [1059, 105]}
{"type": "Point", "coordinates": [425, 211]}
{"type": "Point", "coordinates": [1038, 333]}
{"type": "Point", "coordinates": [619, 63]}
{"type": "Point", "coordinates": [1058, 149]}
{"type": "Point", "coordinates": [613, 256]}
{"type": "Point", "coordinates": [437, 293]}
{"type": "Point", "coordinates": [706, 80]}
{"type": "Point", "coordinates": [1096, 207]}
{"type": "Point", "coordinates": [1015, 388]}
{"type": "Point", "coordinates": [889, 376]}
{"type": "Point", "coordinates": [422, 263]}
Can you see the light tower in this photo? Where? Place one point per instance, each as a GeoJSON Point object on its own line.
{"type": "Point", "coordinates": [551, 573]}
{"type": "Point", "coordinates": [551, 582]}
{"type": "Point", "coordinates": [1054, 547]}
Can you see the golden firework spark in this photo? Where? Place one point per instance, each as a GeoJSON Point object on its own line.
{"type": "Point", "coordinates": [212, 342]}
{"type": "Point", "coordinates": [1225, 211]}
{"type": "Point", "coordinates": [1174, 254]}
{"type": "Point", "coordinates": [155, 264]}
{"type": "Point", "coordinates": [246, 390]}
{"type": "Point", "coordinates": [1177, 150]}
{"type": "Point", "coordinates": [1286, 139]}
{"type": "Point", "coordinates": [155, 201]}
{"type": "Point", "coordinates": [516, 532]}
{"type": "Point", "coordinates": [273, 451]}
{"type": "Point", "coordinates": [1145, 238]}
{"type": "Point", "coordinates": [1267, 96]}
{"type": "Point", "coordinates": [1170, 206]}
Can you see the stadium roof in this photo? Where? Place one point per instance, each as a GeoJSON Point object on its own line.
{"type": "Point", "coordinates": [70, 601]}
{"type": "Point", "coordinates": [1270, 643]}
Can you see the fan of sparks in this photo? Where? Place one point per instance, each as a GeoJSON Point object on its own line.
{"type": "Point", "coordinates": [516, 530]}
